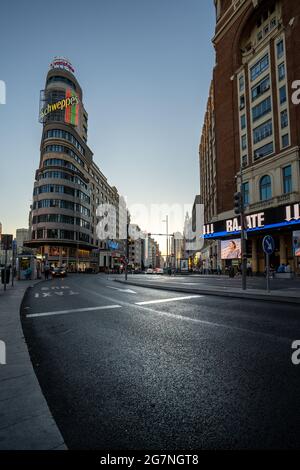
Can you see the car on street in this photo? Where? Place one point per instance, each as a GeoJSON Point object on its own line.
{"type": "Point", "coordinates": [58, 272]}
{"type": "Point", "coordinates": [159, 271]}
{"type": "Point", "coordinates": [149, 271]}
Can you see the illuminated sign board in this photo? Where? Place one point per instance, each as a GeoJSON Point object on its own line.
{"type": "Point", "coordinates": [276, 217]}
{"type": "Point", "coordinates": [69, 104]}
{"type": "Point", "coordinates": [62, 63]}
{"type": "Point", "coordinates": [231, 249]}
{"type": "Point", "coordinates": [296, 243]}
{"type": "Point", "coordinates": [112, 245]}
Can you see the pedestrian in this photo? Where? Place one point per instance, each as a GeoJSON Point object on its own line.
{"type": "Point", "coordinates": [46, 272]}
{"type": "Point", "coordinates": [249, 268]}
{"type": "Point", "coordinates": [288, 268]}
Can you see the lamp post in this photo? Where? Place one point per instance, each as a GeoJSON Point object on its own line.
{"type": "Point", "coordinates": [243, 234]}
{"type": "Point", "coordinates": [167, 230]}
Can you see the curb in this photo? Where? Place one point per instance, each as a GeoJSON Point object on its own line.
{"type": "Point", "coordinates": [238, 295]}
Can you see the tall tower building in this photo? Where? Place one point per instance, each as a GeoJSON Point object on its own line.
{"type": "Point", "coordinates": [68, 184]}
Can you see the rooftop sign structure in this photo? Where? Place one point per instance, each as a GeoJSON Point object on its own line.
{"type": "Point", "coordinates": [62, 63]}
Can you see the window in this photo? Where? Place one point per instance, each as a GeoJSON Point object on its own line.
{"type": "Point", "coordinates": [281, 72]}
{"type": "Point", "coordinates": [273, 23]}
{"type": "Point", "coordinates": [61, 79]}
{"type": "Point", "coordinates": [284, 119]}
{"type": "Point", "coordinates": [285, 141]}
{"type": "Point", "coordinates": [263, 131]}
{"type": "Point", "coordinates": [52, 233]}
{"type": "Point", "coordinates": [287, 179]}
{"type": "Point", "coordinates": [264, 151]}
{"type": "Point", "coordinates": [259, 67]}
{"type": "Point", "coordinates": [242, 102]}
{"type": "Point", "coordinates": [244, 142]}
{"type": "Point", "coordinates": [243, 121]}
{"type": "Point", "coordinates": [245, 192]}
{"type": "Point", "coordinates": [280, 49]}
{"type": "Point", "coordinates": [265, 188]}
{"type": "Point", "coordinates": [261, 109]}
{"type": "Point", "coordinates": [244, 160]}
{"type": "Point", "coordinates": [241, 83]}
{"type": "Point", "coordinates": [61, 134]}
{"type": "Point", "coordinates": [260, 88]}
{"type": "Point", "coordinates": [40, 233]}
{"type": "Point", "coordinates": [259, 36]}
{"type": "Point", "coordinates": [282, 94]}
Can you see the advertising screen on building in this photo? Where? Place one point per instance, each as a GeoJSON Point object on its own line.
{"type": "Point", "coordinates": [296, 243]}
{"type": "Point", "coordinates": [59, 106]}
{"type": "Point", "coordinates": [231, 249]}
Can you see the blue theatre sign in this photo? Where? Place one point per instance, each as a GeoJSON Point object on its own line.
{"type": "Point", "coordinates": [273, 218]}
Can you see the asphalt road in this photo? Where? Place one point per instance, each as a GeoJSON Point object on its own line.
{"type": "Point", "coordinates": [150, 369]}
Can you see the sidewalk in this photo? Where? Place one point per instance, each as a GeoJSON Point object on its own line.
{"type": "Point", "coordinates": [25, 420]}
{"type": "Point", "coordinates": [278, 295]}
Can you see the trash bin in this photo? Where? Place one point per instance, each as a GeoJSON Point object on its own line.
{"type": "Point", "coordinates": [7, 275]}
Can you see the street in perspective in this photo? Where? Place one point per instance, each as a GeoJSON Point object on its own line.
{"type": "Point", "coordinates": [150, 231]}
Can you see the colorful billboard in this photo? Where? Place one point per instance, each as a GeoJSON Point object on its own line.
{"type": "Point", "coordinates": [231, 249]}
{"type": "Point", "coordinates": [65, 109]}
{"type": "Point", "coordinates": [296, 243]}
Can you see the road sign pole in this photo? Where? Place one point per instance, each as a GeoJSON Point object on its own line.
{"type": "Point", "coordinates": [5, 267]}
{"type": "Point", "coordinates": [268, 272]}
{"type": "Point", "coordinates": [269, 248]}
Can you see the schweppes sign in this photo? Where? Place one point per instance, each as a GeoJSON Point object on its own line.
{"type": "Point", "coordinates": [69, 105]}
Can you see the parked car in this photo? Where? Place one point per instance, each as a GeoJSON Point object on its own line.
{"type": "Point", "coordinates": [58, 272]}
{"type": "Point", "coordinates": [159, 271]}
{"type": "Point", "coordinates": [149, 271]}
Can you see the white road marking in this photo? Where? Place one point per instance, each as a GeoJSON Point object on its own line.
{"type": "Point", "coordinates": [63, 312]}
{"type": "Point", "coordinates": [190, 283]}
{"type": "Point", "coordinates": [174, 299]}
{"type": "Point", "coordinates": [128, 291]}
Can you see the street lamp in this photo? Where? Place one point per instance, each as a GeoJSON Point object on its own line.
{"type": "Point", "coordinates": [167, 230]}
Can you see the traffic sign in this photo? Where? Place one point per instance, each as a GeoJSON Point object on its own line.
{"type": "Point", "coordinates": [268, 245]}
{"type": "Point", "coordinates": [7, 242]}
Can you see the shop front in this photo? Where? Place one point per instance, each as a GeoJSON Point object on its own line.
{"type": "Point", "coordinates": [282, 223]}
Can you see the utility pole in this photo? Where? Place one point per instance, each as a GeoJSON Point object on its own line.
{"type": "Point", "coordinates": [167, 230]}
{"type": "Point", "coordinates": [127, 247]}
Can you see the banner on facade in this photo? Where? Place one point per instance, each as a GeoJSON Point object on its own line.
{"type": "Point", "coordinates": [231, 249]}
{"type": "Point", "coordinates": [296, 243]}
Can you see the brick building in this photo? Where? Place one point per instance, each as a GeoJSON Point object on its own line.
{"type": "Point", "coordinates": [256, 126]}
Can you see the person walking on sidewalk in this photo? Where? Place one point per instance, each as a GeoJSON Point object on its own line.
{"type": "Point", "coordinates": [46, 272]}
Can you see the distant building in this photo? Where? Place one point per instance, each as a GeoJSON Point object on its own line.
{"type": "Point", "coordinates": [22, 235]}
{"type": "Point", "coordinates": [136, 248]}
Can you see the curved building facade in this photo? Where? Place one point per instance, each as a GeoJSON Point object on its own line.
{"type": "Point", "coordinates": [68, 184]}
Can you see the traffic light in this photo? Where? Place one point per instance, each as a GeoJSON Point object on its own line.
{"type": "Point", "coordinates": [238, 204]}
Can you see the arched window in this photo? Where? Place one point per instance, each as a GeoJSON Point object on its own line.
{"type": "Point", "coordinates": [265, 188]}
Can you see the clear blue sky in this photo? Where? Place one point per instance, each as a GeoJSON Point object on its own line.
{"type": "Point", "coordinates": [145, 68]}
